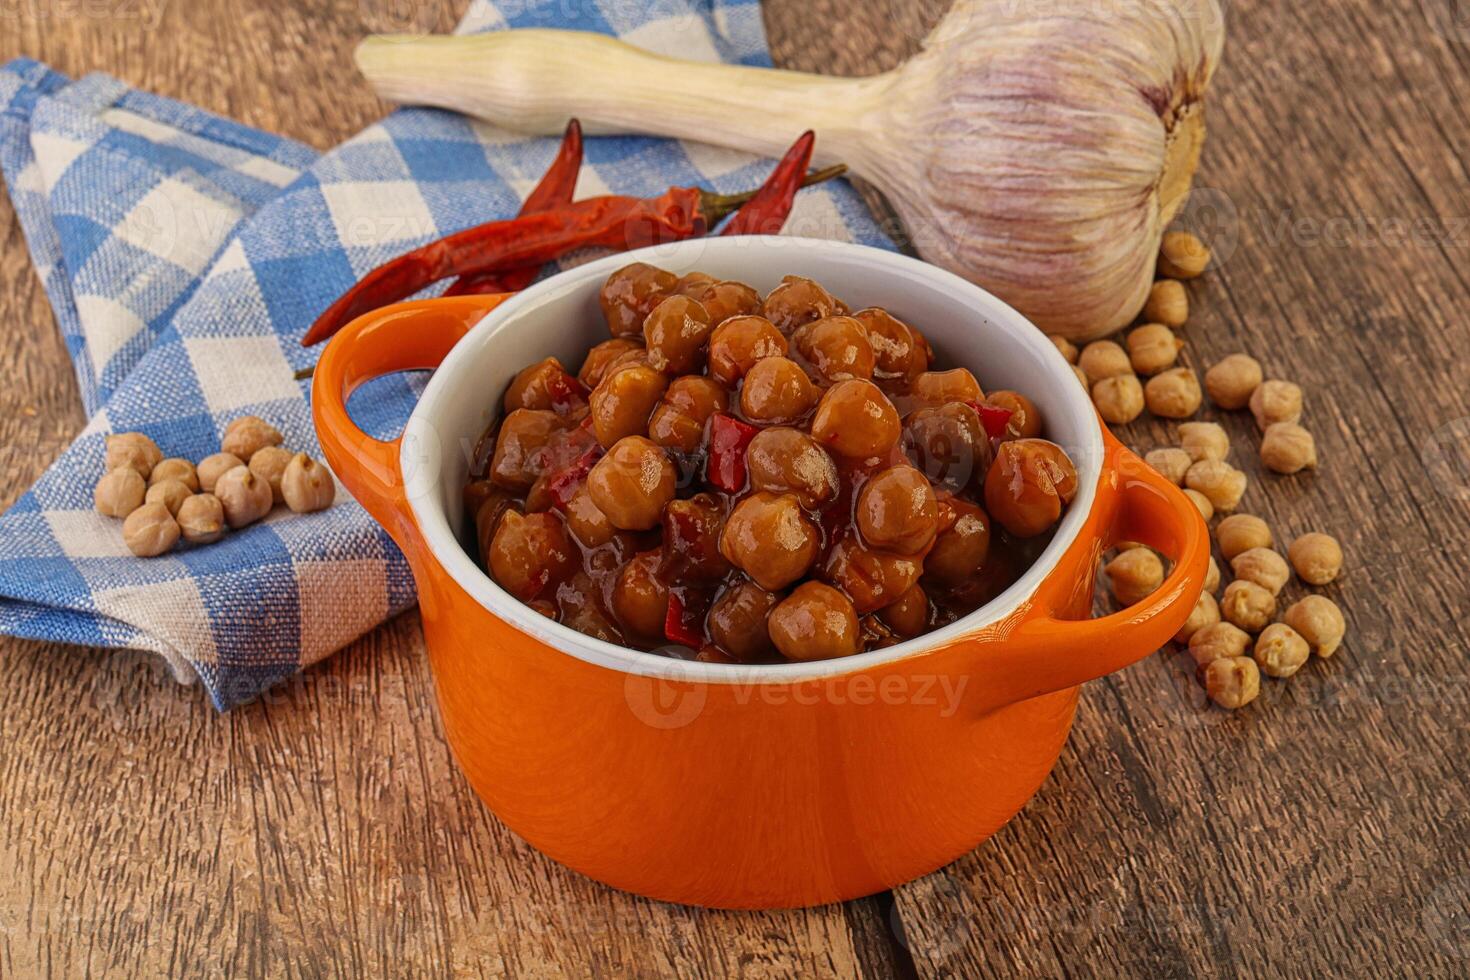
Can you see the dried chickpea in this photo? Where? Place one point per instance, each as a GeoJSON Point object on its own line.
{"type": "Point", "coordinates": [1027, 485]}
{"type": "Point", "coordinates": [1119, 399]}
{"type": "Point", "coordinates": [1247, 605]}
{"type": "Point", "coordinates": [1288, 448]}
{"type": "Point", "coordinates": [815, 622]}
{"type": "Point", "coordinates": [1153, 347]}
{"type": "Point", "coordinates": [246, 435]}
{"type": "Point", "coordinates": [621, 404]}
{"type": "Point", "coordinates": [1204, 440]}
{"type": "Point", "coordinates": [836, 347]}
{"type": "Point", "coordinates": [175, 468]}
{"type": "Point", "coordinates": [1182, 255]}
{"type": "Point", "coordinates": [1232, 682]}
{"type": "Point", "coordinates": [1064, 347]}
{"type": "Point", "coordinates": [769, 538]}
{"type": "Point", "coordinates": [1206, 612]}
{"type": "Point", "coordinates": [777, 391]}
{"type": "Point", "coordinates": [675, 333]}
{"type": "Point", "coordinates": [170, 493]}
{"type": "Point", "coordinates": [1221, 639]}
{"type": "Point", "coordinates": [1239, 533]}
{"type": "Point", "coordinates": [897, 511]}
{"type": "Point", "coordinates": [270, 465]}
{"type": "Point", "coordinates": [1316, 557]}
{"type": "Point", "coordinates": [1173, 394]}
{"type": "Point", "coordinates": [855, 419]}
{"type": "Point", "coordinates": [1171, 463]}
{"type": "Point", "coordinates": [1232, 380]}
{"type": "Point", "coordinates": [1206, 509]}
{"type": "Point", "coordinates": [245, 497]}
{"type": "Point", "coordinates": [632, 482]}
{"type": "Point", "coordinates": [306, 485]}
{"type": "Point", "coordinates": [1280, 650]}
{"type": "Point", "coordinates": [119, 492]}
{"type": "Point", "coordinates": [133, 450]}
{"type": "Point", "coordinates": [1212, 576]}
{"type": "Point", "coordinates": [1167, 303]}
{"type": "Point", "coordinates": [201, 518]}
{"type": "Point", "coordinates": [1319, 622]}
{"type": "Point", "coordinates": [1262, 566]}
{"type": "Point", "coordinates": [1218, 480]}
{"type": "Point", "coordinates": [1276, 401]}
{"type": "Point", "coordinates": [1104, 359]}
{"type": "Point", "coordinates": [211, 468]}
{"type": "Point", "coordinates": [150, 530]}
{"type": "Point", "coordinates": [1134, 575]}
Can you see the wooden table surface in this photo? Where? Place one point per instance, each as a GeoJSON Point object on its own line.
{"type": "Point", "coordinates": [325, 831]}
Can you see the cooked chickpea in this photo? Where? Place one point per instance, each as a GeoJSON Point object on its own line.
{"type": "Point", "coordinates": [1206, 612]}
{"type": "Point", "coordinates": [727, 298]}
{"type": "Point", "coordinates": [1239, 533]}
{"type": "Point", "coordinates": [630, 294]}
{"type": "Point", "coordinates": [530, 554]}
{"type": "Point", "coordinates": [899, 351]}
{"type": "Point", "coordinates": [769, 538]}
{"type": "Point", "coordinates": [307, 486]}
{"type": "Point", "coordinates": [150, 530]}
{"type": "Point", "coordinates": [737, 621]}
{"type": "Point", "coordinates": [738, 343]}
{"type": "Point", "coordinates": [1212, 576]}
{"type": "Point", "coordinates": [170, 493]}
{"type": "Point", "coordinates": [1027, 485]}
{"type": "Point", "coordinates": [1064, 347]}
{"type": "Point", "coordinates": [622, 404]}
{"type": "Point", "coordinates": [783, 460]}
{"type": "Point", "coordinates": [909, 615]}
{"type": "Point", "coordinates": [1201, 502]}
{"type": "Point", "coordinates": [1182, 255]}
{"type": "Point", "coordinates": [119, 492]}
{"type": "Point", "coordinates": [600, 358]}
{"type": "Point", "coordinates": [1264, 567]}
{"type": "Point", "coordinates": [815, 622]}
{"type": "Point", "coordinates": [211, 468]}
{"type": "Point", "coordinates": [270, 465]}
{"type": "Point", "coordinates": [586, 521]}
{"type": "Point", "coordinates": [1170, 462]}
{"type": "Point", "coordinates": [1316, 557]}
{"type": "Point", "coordinates": [245, 497]}
{"type": "Point", "coordinates": [1319, 622]}
{"type": "Point", "coordinates": [1173, 394]}
{"type": "Point", "coordinates": [175, 468]}
{"type": "Point", "coordinates": [1104, 359]}
{"type": "Point", "coordinates": [248, 434]}
{"type": "Point", "coordinates": [542, 385]}
{"type": "Point", "coordinates": [632, 482]}
{"type": "Point", "coordinates": [777, 391]}
{"type": "Point", "coordinates": [1167, 303]}
{"type": "Point", "coordinates": [797, 301]}
{"type": "Point", "coordinates": [1219, 640]}
{"type": "Point", "coordinates": [520, 447]}
{"type": "Point", "coordinates": [133, 450]}
{"type": "Point", "coordinates": [201, 518]}
{"type": "Point", "coordinates": [1288, 448]}
{"type": "Point", "coordinates": [836, 347]}
{"type": "Point", "coordinates": [939, 387]}
{"type": "Point", "coordinates": [675, 333]}
{"type": "Point", "coordinates": [1276, 401]}
{"type": "Point", "coordinates": [1217, 480]}
{"type": "Point", "coordinates": [948, 443]}
{"type": "Point", "coordinates": [1134, 575]}
{"type": "Point", "coordinates": [855, 419]}
{"type": "Point", "coordinates": [678, 421]}
{"type": "Point", "coordinates": [1025, 420]}
{"type": "Point", "coordinates": [962, 546]}
{"type": "Point", "coordinates": [1232, 682]}
{"type": "Point", "coordinates": [1119, 399]}
{"type": "Point", "coordinates": [1280, 650]}
{"type": "Point", "coordinates": [897, 511]}
{"type": "Point", "coordinates": [1204, 440]}
{"type": "Point", "coordinates": [640, 599]}
{"type": "Point", "coordinates": [691, 532]}
{"type": "Point", "coordinates": [1153, 347]}
{"type": "Point", "coordinates": [1232, 380]}
{"type": "Point", "coordinates": [1248, 605]}
{"type": "Point", "coordinates": [870, 579]}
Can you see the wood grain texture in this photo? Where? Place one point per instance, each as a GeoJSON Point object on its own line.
{"type": "Point", "coordinates": [325, 831]}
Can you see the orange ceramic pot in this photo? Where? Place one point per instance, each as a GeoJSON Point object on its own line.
{"type": "Point", "coordinates": [750, 787]}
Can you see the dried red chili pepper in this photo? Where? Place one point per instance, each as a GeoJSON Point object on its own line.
{"type": "Point", "coordinates": [728, 439]}
{"type": "Point", "coordinates": [766, 212]}
{"type": "Point", "coordinates": [554, 190]}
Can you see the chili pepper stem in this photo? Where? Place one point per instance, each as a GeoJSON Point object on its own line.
{"type": "Point", "coordinates": [716, 206]}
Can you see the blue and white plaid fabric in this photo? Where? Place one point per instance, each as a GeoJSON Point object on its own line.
{"type": "Point", "coordinates": [185, 254]}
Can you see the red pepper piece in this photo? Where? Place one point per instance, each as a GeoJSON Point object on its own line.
{"type": "Point", "coordinates": [564, 485]}
{"type": "Point", "coordinates": [728, 438]}
{"type": "Point", "coordinates": [677, 626]}
{"type": "Point", "coordinates": [993, 418]}
{"type": "Point", "coordinates": [766, 212]}
{"type": "Point", "coordinates": [566, 392]}
{"type": "Point", "coordinates": [554, 190]}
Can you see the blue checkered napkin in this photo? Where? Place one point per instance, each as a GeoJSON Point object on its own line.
{"type": "Point", "coordinates": [185, 255]}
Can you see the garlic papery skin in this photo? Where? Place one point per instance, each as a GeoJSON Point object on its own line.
{"type": "Point", "coordinates": [1037, 148]}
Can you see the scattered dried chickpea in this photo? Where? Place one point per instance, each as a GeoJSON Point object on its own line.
{"type": "Point", "coordinates": [1276, 401]}
{"type": "Point", "coordinates": [1104, 359]}
{"type": "Point", "coordinates": [1206, 509]}
{"type": "Point", "coordinates": [1232, 380]}
{"type": "Point", "coordinates": [245, 497]}
{"type": "Point", "coordinates": [119, 492]}
{"type": "Point", "coordinates": [1206, 612]}
{"type": "Point", "coordinates": [1182, 255]}
{"type": "Point", "coordinates": [1153, 347]}
{"type": "Point", "coordinates": [134, 450]}
{"type": "Point", "coordinates": [170, 493]}
{"type": "Point", "coordinates": [306, 485]}
{"type": "Point", "coordinates": [1167, 304]}
{"type": "Point", "coordinates": [1288, 448]}
{"type": "Point", "coordinates": [1232, 682]}
{"type": "Point", "coordinates": [1119, 399]}
{"type": "Point", "coordinates": [1316, 557]}
{"type": "Point", "coordinates": [175, 468]}
{"type": "Point", "coordinates": [150, 530]}
{"type": "Point", "coordinates": [1218, 640]}
{"type": "Point", "coordinates": [1134, 575]}
{"type": "Point", "coordinates": [1204, 440]}
{"type": "Point", "coordinates": [1212, 576]}
{"type": "Point", "coordinates": [1264, 567]}
{"type": "Point", "coordinates": [1173, 394]}
{"type": "Point", "coordinates": [1280, 650]}
{"type": "Point", "coordinates": [211, 468]}
{"type": "Point", "coordinates": [247, 434]}
{"type": "Point", "coordinates": [201, 519]}
{"type": "Point", "coordinates": [1320, 623]}
{"type": "Point", "coordinates": [1247, 605]}
{"type": "Point", "coordinates": [1171, 462]}
{"type": "Point", "coordinates": [1064, 346]}
{"type": "Point", "coordinates": [1218, 480]}
{"type": "Point", "coordinates": [1239, 533]}
{"type": "Point", "coordinates": [270, 465]}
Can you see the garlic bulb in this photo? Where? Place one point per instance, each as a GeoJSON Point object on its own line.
{"type": "Point", "coordinates": [1038, 150]}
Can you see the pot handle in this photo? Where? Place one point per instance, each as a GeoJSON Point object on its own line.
{"type": "Point", "coordinates": [402, 337]}
{"type": "Point", "coordinates": [1045, 653]}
